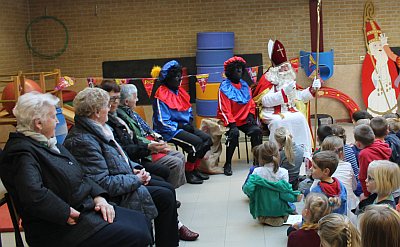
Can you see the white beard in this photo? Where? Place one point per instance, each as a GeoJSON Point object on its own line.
{"type": "Point", "coordinates": [280, 79]}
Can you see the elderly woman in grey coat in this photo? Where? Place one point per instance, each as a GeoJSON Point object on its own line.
{"type": "Point", "coordinates": [59, 206]}
{"type": "Point", "coordinates": [92, 143]}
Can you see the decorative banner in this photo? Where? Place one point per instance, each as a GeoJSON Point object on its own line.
{"type": "Point", "coordinates": [122, 81]}
{"type": "Point", "coordinates": [253, 71]}
{"type": "Point", "coordinates": [295, 63]}
{"type": "Point", "coordinates": [64, 82]}
{"type": "Point", "coordinates": [148, 84]}
{"type": "Point", "coordinates": [223, 75]}
{"type": "Point", "coordinates": [202, 79]}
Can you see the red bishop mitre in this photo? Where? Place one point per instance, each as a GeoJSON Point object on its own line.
{"type": "Point", "coordinates": [372, 30]}
{"type": "Point", "coordinates": [276, 52]}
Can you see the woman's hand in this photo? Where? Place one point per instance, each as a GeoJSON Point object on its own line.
{"type": "Point", "coordinates": [144, 176]}
{"type": "Point", "coordinates": [73, 216]}
{"type": "Point", "coordinates": [106, 209]}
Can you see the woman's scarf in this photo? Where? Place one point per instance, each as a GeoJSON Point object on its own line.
{"type": "Point", "coordinates": [50, 143]}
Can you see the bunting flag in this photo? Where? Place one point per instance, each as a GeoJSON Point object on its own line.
{"type": "Point", "coordinates": [202, 79]}
{"type": "Point", "coordinates": [253, 71]}
{"type": "Point", "coordinates": [64, 82]}
{"type": "Point", "coordinates": [122, 81]}
{"type": "Point", "coordinates": [148, 84]}
{"type": "Point", "coordinates": [295, 63]}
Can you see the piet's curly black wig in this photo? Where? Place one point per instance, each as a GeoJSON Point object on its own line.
{"type": "Point", "coordinates": [232, 63]}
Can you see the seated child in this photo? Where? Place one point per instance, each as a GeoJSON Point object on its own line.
{"type": "Point", "coordinates": [379, 226]}
{"type": "Point", "coordinates": [349, 155]}
{"type": "Point", "coordinates": [372, 149]}
{"type": "Point", "coordinates": [358, 118]}
{"type": "Point", "coordinates": [291, 155]}
{"type": "Point", "coordinates": [324, 164]}
{"type": "Point", "coordinates": [336, 230]}
{"type": "Point", "coordinates": [361, 117]}
{"type": "Point", "coordinates": [323, 131]}
{"type": "Point", "coordinates": [343, 172]}
{"type": "Point", "coordinates": [316, 206]}
{"type": "Point", "coordinates": [268, 187]}
{"type": "Point", "coordinates": [383, 179]}
{"type": "Point", "coordinates": [393, 140]}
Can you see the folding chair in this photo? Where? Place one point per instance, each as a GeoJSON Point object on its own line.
{"type": "Point", "coordinates": [6, 199]}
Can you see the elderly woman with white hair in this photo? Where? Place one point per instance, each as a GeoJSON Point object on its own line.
{"type": "Point", "coordinates": [102, 158]}
{"type": "Point", "coordinates": [58, 205]}
{"type": "Point", "coordinates": [126, 111]}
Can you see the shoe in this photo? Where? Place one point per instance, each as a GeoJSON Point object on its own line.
{"type": "Point", "coordinates": [200, 175]}
{"type": "Point", "coordinates": [192, 179]}
{"type": "Point", "coordinates": [187, 235]}
{"type": "Point", "coordinates": [228, 169]}
{"type": "Point", "coordinates": [178, 204]}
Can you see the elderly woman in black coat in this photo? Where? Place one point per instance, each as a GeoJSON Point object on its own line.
{"type": "Point", "coordinates": [102, 158]}
{"type": "Point", "coordinates": [59, 206]}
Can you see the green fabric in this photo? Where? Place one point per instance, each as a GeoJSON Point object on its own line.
{"type": "Point", "coordinates": [133, 125]}
{"type": "Point", "coordinates": [269, 198]}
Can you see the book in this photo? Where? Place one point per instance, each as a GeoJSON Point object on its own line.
{"type": "Point", "coordinates": [293, 219]}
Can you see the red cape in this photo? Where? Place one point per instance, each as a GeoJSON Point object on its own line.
{"type": "Point", "coordinates": [179, 102]}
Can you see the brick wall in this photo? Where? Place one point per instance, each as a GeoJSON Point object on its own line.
{"type": "Point", "coordinates": [14, 55]}
{"type": "Point", "coordinates": [155, 29]}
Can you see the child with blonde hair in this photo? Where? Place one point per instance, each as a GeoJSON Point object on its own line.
{"type": "Point", "coordinates": [291, 154]}
{"type": "Point", "coordinates": [383, 178]}
{"type": "Point", "coordinates": [336, 230]}
{"type": "Point", "coordinates": [316, 206]}
{"type": "Point", "coordinates": [268, 187]}
{"type": "Point", "coordinates": [379, 226]}
{"type": "Point", "coordinates": [344, 172]}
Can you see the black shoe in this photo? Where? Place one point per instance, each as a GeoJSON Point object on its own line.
{"type": "Point", "coordinates": [178, 204]}
{"type": "Point", "coordinates": [228, 169]}
{"type": "Point", "coordinates": [192, 179]}
{"type": "Point", "coordinates": [200, 175]}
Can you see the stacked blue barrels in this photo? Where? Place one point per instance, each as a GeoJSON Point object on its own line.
{"type": "Point", "coordinates": [213, 49]}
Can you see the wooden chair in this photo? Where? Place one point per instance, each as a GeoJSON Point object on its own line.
{"type": "Point", "coordinates": [6, 199]}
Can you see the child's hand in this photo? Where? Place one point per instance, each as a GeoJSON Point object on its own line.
{"type": "Point", "coordinates": [296, 226]}
{"type": "Point", "coordinates": [299, 197]}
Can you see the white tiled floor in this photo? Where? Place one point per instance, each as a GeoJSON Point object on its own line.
{"type": "Point", "coordinates": [219, 211]}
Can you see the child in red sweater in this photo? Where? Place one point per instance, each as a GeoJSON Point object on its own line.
{"type": "Point", "coordinates": [372, 149]}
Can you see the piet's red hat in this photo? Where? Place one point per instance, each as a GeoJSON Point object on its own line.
{"type": "Point", "coordinates": [276, 52]}
{"type": "Point", "coordinates": [372, 30]}
{"type": "Point", "coordinates": [232, 60]}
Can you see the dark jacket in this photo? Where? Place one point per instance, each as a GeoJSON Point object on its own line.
{"type": "Point", "coordinates": [394, 144]}
{"type": "Point", "coordinates": [135, 148]}
{"type": "Point", "coordinates": [101, 161]}
{"type": "Point", "coordinates": [44, 185]}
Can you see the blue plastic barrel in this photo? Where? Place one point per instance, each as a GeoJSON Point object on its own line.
{"type": "Point", "coordinates": [214, 71]}
{"type": "Point", "coordinates": [212, 57]}
{"type": "Point", "coordinates": [213, 49]}
{"type": "Point", "coordinates": [215, 40]}
{"type": "Point", "coordinates": [206, 108]}
{"type": "Point", "coordinates": [61, 127]}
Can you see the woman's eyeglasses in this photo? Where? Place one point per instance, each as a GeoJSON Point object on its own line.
{"type": "Point", "coordinates": [114, 99]}
{"type": "Point", "coordinates": [370, 178]}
